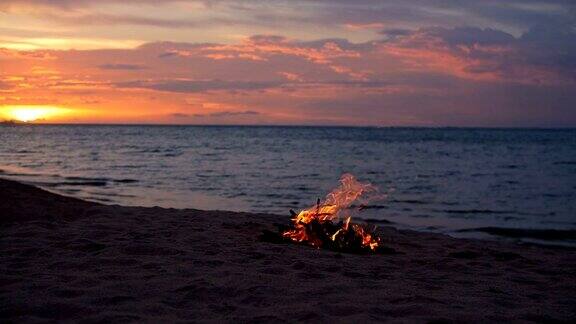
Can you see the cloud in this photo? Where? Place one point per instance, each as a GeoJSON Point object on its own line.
{"type": "Point", "coordinates": [462, 102]}
{"type": "Point", "coordinates": [111, 19]}
{"type": "Point", "coordinates": [264, 47]}
{"type": "Point", "coordinates": [266, 52]}
{"type": "Point", "coordinates": [541, 55]}
{"type": "Point", "coordinates": [228, 114]}
{"type": "Point", "coordinates": [395, 32]}
{"type": "Point", "coordinates": [197, 86]}
{"type": "Point", "coordinates": [551, 45]}
{"type": "Point", "coordinates": [179, 115]}
{"type": "Point", "coordinates": [69, 4]}
{"type": "Point", "coordinates": [353, 26]}
{"type": "Point", "coordinates": [428, 76]}
{"type": "Point", "coordinates": [512, 15]}
{"type": "Point", "coordinates": [291, 76]}
{"type": "Point", "coordinates": [4, 86]}
{"type": "Point", "coordinates": [469, 36]}
{"type": "Point", "coordinates": [32, 54]}
{"type": "Point", "coordinates": [121, 66]}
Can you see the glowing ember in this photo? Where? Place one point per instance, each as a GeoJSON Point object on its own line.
{"type": "Point", "coordinates": [328, 225]}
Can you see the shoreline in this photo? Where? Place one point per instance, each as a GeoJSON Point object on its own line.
{"type": "Point", "coordinates": [549, 237]}
{"type": "Point", "coordinates": [63, 258]}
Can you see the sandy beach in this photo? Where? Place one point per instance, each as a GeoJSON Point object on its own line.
{"type": "Point", "coordinates": [63, 259]}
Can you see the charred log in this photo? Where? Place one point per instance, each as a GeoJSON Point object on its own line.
{"type": "Point", "coordinates": [339, 237]}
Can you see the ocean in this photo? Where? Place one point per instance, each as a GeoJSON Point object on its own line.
{"type": "Point", "coordinates": [483, 183]}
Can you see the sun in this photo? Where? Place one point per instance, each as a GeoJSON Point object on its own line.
{"type": "Point", "coordinates": [29, 114]}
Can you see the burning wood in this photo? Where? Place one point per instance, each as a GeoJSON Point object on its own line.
{"type": "Point", "coordinates": [327, 224]}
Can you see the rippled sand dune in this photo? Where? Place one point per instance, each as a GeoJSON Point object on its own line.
{"type": "Point", "coordinates": [66, 259]}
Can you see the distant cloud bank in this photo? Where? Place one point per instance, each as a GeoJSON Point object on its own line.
{"type": "Point", "coordinates": [366, 62]}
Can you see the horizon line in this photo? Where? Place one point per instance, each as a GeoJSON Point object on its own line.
{"type": "Point", "coordinates": [288, 125]}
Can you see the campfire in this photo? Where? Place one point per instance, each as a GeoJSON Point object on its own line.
{"type": "Point", "coordinates": [328, 224]}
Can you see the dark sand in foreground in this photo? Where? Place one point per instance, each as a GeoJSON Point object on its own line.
{"type": "Point", "coordinates": [65, 259]}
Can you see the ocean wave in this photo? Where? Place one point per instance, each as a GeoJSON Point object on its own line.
{"type": "Point", "coordinates": [565, 163]}
{"type": "Point", "coordinates": [540, 234]}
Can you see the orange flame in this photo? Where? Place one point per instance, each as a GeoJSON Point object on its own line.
{"type": "Point", "coordinates": [336, 204]}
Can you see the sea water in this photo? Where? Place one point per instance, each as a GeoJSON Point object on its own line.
{"type": "Point", "coordinates": [443, 180]}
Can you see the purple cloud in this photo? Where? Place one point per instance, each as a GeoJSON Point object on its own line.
{"type": "Point", "coordinates": [121, 66]}
{"type": "Point", "coordinates": [539, 55]}
{"type": "Point", "coordinates": [195, 86]}
{"type": "Point", "coordinates": [228, 114]}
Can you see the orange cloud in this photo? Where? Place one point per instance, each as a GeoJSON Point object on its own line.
{"type": "Point", "coordinates": [426, 76]}
{"type": "Point", "coordinates": [261, 47]}
{"type": "Point", "coordinates": [476, 54]}
{"type": "Point", "coordinates": [362, 26]}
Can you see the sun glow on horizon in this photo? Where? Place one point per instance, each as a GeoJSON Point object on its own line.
{"type": "Point", "coordinates": [29, 114]}
{"type": "Point", "coordinates": [31, 44]}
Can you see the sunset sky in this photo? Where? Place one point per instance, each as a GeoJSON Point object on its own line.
{"type": "Point", "coordinates": [293, 62]}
